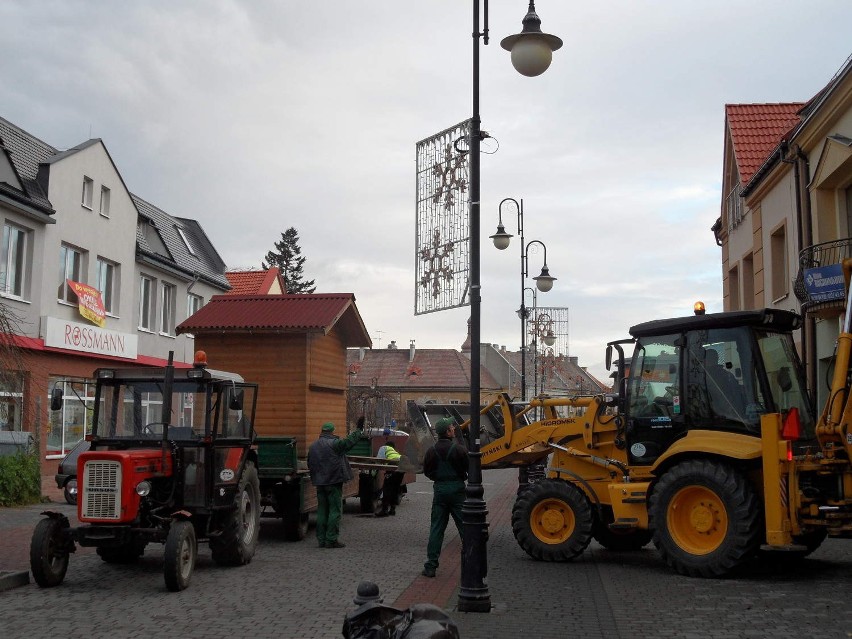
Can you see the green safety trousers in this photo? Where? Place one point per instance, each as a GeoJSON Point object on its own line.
{"type": "Point", "coordinates": [329, 510]}
{"type": "Point", "coordinates": [447, 500]}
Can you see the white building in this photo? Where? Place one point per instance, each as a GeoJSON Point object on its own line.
{"type": "Point", "coordinates": [69, 220]}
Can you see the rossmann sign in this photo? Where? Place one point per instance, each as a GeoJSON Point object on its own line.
{"type": "Point", "coordinates": [86, 338]}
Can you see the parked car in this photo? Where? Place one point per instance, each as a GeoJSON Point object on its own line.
{"type": "Point", "coordinates": [66, 477]}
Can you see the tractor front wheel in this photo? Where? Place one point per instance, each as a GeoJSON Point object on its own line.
{"type": "Point", "coordinates": [552, 520]}
{"type": "Point", "coordinates": [49, 552]}
{"type": "Point", "coordinates": [706, 518]}
{"type": "Point", "coordinates": [179, 555]}
{"type": "Point", "coordinates": [237, 542]}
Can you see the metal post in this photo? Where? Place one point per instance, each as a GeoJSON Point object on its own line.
{"type": "Point", "coordinates": [473, 591]}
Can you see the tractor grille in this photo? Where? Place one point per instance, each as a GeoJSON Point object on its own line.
{"type": "Point", "coordinates": [101, 490]}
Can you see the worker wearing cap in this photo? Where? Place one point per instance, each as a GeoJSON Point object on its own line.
{"type": "Point", "coordinates": [393, 479]}
{"type": "Point", "coordinates": [329, 469]}
{"type": "Point", "coordinates": [446, 465]}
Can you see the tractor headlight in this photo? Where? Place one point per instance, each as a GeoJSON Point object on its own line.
{"type": "Point", "coordinates": [143, 488]}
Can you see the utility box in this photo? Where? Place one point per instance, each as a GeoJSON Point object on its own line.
{"type": "Point", "coordinates": [15, 441]}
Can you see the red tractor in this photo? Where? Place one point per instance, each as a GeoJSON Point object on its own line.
{"type": "Point", "coordinates": [172, 462]}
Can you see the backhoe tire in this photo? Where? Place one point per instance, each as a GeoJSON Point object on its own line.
{"type": "Point", "coordinates": [48, 553]}
{"type": "Point", "coordinates": [706, 518]}
{"type": "Point", "coordinates": [179, 555]}
{"type": "Point", "coordinates": [618, 540]}
{"type": "Point", "coordinates": [552, 520]}
{"type": "Point", "coordinates": [237, 542]}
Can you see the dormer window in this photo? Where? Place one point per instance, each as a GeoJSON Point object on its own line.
{"type": "Point", "coordinates": [185, 240]}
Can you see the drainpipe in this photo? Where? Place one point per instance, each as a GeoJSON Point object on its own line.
{"type": "Point", "coordinates": [804, 236]}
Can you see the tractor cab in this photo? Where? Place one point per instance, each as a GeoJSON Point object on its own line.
{"type": "Point", "coordinates": [714, 372]}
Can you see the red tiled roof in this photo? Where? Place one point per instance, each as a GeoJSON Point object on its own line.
{"type": "Point", "coordinates": [431, 368]}
{"type": "Point", "coordinates": [756, 129]}
{"type": "Point", "coordinates": [254, 282]}
{"type": "Point", "coordinates": [303, 313]}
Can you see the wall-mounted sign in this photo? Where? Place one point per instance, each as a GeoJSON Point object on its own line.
{"type": "Point", "coordinates": [73, 336]}
{"type": "Point", "coordinates": [825, 283]}
{"type": "Point", "coordinates": [89, 302]}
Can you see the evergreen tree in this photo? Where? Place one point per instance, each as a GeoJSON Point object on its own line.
{"type": "Point", "coordinates": [288, 258]}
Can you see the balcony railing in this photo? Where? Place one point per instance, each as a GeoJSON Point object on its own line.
{"type": "Point", "coordinates": [816, 256]}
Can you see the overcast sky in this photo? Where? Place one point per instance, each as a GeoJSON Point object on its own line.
{"type": "Point", "coordinates": [256, 115]}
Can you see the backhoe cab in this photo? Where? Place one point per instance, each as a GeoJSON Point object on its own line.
{"type": "Point", "coordinates": [708, 445]}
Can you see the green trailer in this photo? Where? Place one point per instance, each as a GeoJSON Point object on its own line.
{"type": "Point", "coordinates": [286, 490]}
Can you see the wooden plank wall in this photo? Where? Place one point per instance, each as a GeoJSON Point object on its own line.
{"type": "Point", "coordinates": [301, 377]}
{"type": "Point", "coordinates": [327, 379]}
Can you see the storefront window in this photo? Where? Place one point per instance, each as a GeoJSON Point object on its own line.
{"type": "Point", "coordinates": [73, 421]}
{"type": "Point", "coordinates": [11, 399]}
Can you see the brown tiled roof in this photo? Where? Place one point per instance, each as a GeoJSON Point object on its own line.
{"type": "Point", "coordinates": [254, 282]}
{"type": "Point", "coordinates": [431, 368]}
{"type": "Point", "coordinates": [756, 129]}
{"type": "Point", "coordinates": [303, 313]}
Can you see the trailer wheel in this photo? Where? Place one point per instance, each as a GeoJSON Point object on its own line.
{"type": "Point", "coordinates": [49, 552]}
{"type": "Point", "coordinates": [367, 493]}
{"type": "Point", "coordinates": [706, 518]}
{"type": "Point", "coordinates": [296, 526]}
{"type": "Point", "coordinates": [179, 555]}
{"type": "Point", "coordinates": [618, 540]}
{"type": "Point", "coordinates": [552, 520]}
{"type": "Point", "coordinates": [240, 529]}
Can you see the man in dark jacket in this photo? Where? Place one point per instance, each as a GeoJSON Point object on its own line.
{"type": "Point", "coordinates": [446, 465]}
{"type": "Point", "coordinates": [329, 469]}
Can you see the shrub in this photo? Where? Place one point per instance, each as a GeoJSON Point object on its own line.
{"type": "Point", "coordinates": [20, 479]}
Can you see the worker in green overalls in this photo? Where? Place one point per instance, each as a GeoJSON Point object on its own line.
{"type": "Point", "coordinates": [446, 465]}
{"type": "Point", "coordinates": [329, 469]}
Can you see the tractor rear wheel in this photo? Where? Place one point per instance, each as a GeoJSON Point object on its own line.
{"type": "Point", "coordinates": [552, 520]}
{"type": "Point", "coordinates": [618, 540]}
{"type": "Point", "coordinates": [240, 529]}
{"type": "Point", "coordinates": [179, 555]}
{"type": "Point", "coordinates": [49, 553]}
{"type": "Point", "coordinates": [706, 518]}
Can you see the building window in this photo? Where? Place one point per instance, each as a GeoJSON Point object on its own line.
{"type": "Point", "coordinates": [107, 280]}
{"type": "Point", "coordinates": [167, 309]}
{"type": "Point", "coordinates": [74, 420]}
{"type": "Point", "coordinates": [70, 268]}
{"type": "Point", "coordinates": [88, 188]}
{"type": "Point", "coordinates": [13, 260]}
{"type": "Point", "coordinates": [11, 401]}
{"type": "Point", "coordinates": [104, 201]}
{"type": "Point", "coordinates": [193, 304]}
{"type": "Point", "coordinates": [748, 282]}
{"type": "Point", "coordinates": [185, 240]}
{"type": "Point", "coordinates": [779, 262]}
{"type": "Point", "coordinates": [734, 289]}
{"type": "Point", "coordinates": [146, 303]}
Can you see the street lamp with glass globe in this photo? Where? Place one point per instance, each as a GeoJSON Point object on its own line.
{"type": "Point", "coordinates": [473, 591]}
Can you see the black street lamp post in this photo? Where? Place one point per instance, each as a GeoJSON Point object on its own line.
{"type": "Point", "coordinates": [544, 281]}
{"type": "Point", "coordinates": [532, 52]}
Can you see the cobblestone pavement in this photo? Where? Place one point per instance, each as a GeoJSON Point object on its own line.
{"type": "Point", "coordinates": [296, 590]}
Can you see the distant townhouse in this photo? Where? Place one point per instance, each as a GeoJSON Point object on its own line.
{"type": "Point", "coordinates": [96, 276]}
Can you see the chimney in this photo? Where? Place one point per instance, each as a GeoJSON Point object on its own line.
{"type": "Point", "coordinates": [573, 360]}
{"type": "Point", "coordinates": [392, 345]}
{"type": "Point", "coordinates": [411, 351]}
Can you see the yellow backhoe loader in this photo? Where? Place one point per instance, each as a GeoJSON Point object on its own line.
{"type": "Point", "coordinates": [708, 445]}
